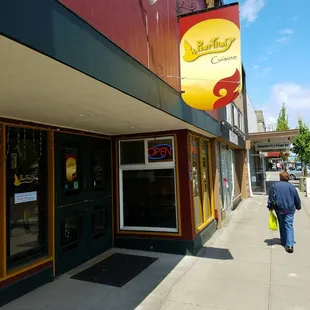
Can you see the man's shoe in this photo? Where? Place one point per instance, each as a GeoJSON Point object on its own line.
{"type": "Point", "coordinates": [289, 249]}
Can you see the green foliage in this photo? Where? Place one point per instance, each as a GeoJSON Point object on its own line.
{"type": "Point", "coordinates": [301, 144]}
{"type": "Point", "coordinates": [282, 123]}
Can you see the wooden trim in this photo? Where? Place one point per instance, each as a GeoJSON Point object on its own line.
{"type": "Point", "coordinates": [203, 207]}
{"type": "Point", "coordinates": [191, 167]}
{"type": "Point", "coordinates": [112, 191]}
{"type": "Point", "coordinates": [30, 125]}
{"type": "Point", "coordinates": [116, 191]}
{"type": "Point", "coordinates": [199, 136]}
{"type": "Point", "coordinates": [25, 269]}
{"type": "Point", "coordinates": [204, 225]}
{"type": "Point", "coordinates": [177, 184]}
{"type": "Point", "coordinates": [144, 233]}
{"type": "Point", "coordinates": [26, 126]}
{"type": "Point", "coordinates": [82, 133]}
{"type": "Point", "coordinates": [3, 202]}
{"type": "Point", "coordinates": [206, 220]}
{"type": "Point", "coordinates": [51, 197]}
{"type": "Point", "coordinates": [211, 185]}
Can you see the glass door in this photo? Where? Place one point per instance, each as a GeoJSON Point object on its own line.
{"type": "Point", "coordinates": [227, 178]}
{"type": "Point", "coordinates": [257, 171]}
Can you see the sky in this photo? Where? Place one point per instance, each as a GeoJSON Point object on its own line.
{"type": "Point", "coordinates": [276, 56]}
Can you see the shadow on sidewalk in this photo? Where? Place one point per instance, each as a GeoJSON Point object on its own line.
{"type": "Point", "coordinates": [273, 241]}
{"type": "Point", "coordinates": [215, 253]}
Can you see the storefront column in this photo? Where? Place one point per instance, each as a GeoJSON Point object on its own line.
{"type": "Point", "coordinates": [215, 183]}
{"type": "Point", "coordinates": [51, 198]}
{"type": "Point", "coordinates": [2, 204]}
{"type": "Point", "coordinates": [245, 187]}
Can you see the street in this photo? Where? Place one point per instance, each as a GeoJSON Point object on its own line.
{"type": "Point", "coordinates": [241, 267]}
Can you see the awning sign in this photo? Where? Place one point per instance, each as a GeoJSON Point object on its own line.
{"type": "Point", "coordinates": [272, 146]}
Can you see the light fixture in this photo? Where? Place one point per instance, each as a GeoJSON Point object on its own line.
{"type": "Point", "coordinates": [151, 2]}
{"type": "Point", "coordinates": [84, 114]}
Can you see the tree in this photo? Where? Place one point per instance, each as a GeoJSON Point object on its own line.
{"type": "Point", "coordinates": [282, 123]}
{"type": "Point", "coordinates": [301, 144]}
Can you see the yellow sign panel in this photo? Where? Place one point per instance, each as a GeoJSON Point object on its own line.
{"type": "Point", "coordinates": [210, 55]}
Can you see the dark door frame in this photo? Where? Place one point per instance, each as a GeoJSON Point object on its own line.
{"type": "Point", "coordinates": [78, 209]}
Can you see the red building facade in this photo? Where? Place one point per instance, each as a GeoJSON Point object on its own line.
{"type": "Point", "coordinates": [148, 33]}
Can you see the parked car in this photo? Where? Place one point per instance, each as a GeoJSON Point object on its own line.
{"type": "Point", "coordinates": [296, 173]}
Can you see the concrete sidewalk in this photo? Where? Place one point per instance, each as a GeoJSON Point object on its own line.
{"type": "Point", "coordinates": [241, 267]}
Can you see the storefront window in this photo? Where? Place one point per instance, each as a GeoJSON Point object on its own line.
{"type": "Point", "coordinates": [206, 177]}
{"type": "Point", "coordinates": [26, 192]}
{"type": "Point", "coordinates": [201, 180]}
{"type": "Point", "coordinates": [219, 173]}
{"type": "Point", "coordinates": [148, 186]}
{"type": "Point", "coordinates": [197, 182]}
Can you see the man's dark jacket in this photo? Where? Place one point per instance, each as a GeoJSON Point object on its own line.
{"type": "Point", "coordinates": [283, 197]}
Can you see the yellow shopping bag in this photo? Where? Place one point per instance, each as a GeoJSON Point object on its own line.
{"type": "Point", "coordinates": [273, 222]}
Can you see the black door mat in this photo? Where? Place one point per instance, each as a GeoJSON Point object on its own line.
{"type": "Point", "coordinates": [116, 270]}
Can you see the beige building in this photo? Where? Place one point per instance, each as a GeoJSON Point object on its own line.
{"type": "Point", "coordinates": [261, 126]}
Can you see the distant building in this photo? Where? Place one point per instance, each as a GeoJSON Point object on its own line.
{"type": "Point", "coordinates": [261, 126]}
{"type": "Point", "coordinates": [251, 115]}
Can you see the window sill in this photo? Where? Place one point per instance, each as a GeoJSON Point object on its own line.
{"type": "Point", "coordinates": [149, 229]}
{"type": "Point", "coordinates": [204, 225]}
{"type": "Point", "coordinates": [26, 267]}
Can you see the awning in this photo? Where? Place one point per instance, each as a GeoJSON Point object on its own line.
{"type": "Point", "coordinates": [39, 89]}
{"type": "Point", "coordinates": [273, 141]}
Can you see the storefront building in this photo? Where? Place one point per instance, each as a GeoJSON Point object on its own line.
{"type": "Point", "coordinates": [164, 192]}
{"type": "Point", "coordinates": [264, 144]}
{"type": "Point", "coordinates": [232, 154]}
{"type": "Point", "coordinates": [98, 149]}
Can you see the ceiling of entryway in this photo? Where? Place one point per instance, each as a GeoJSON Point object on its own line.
{"type": "Point", "coordinates": [36, 88]}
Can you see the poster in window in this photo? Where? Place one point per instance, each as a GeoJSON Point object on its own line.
{"type": "Point", "coordinates": [98, 169]}
{"type": "Point", "coordinates": [71, 171]}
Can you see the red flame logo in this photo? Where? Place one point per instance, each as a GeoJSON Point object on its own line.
{"type": "Point", "coordinates": [229, 84]}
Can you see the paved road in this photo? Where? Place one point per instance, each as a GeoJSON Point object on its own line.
{"type": "Point", "coordinates": [241, 267]}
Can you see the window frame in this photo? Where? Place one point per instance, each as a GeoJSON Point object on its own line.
{"type": "Point", "coordinates": [208, 178]}
{"type": "Point", "coordinates": [229, 113]}
{"type": "Point", "coordinates": [240, 123]}
{"type": "Point", "coordinates": [147, 166]}
{"type": "Point", "coordinates": [235, 111]}
{"type": "Point", "coordinates": [45, 253]}
{"type": "Point", "coordinates": [202, 207]}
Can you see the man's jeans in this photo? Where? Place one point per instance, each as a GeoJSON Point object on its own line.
{"type": "Point", "coordinates": [286, 226]}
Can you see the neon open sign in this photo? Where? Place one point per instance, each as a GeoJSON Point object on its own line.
{"type": "Point", "coordinates": [160, 151]}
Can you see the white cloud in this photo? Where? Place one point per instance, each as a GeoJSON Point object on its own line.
{"type": "Point", "coordinates": [295, 96]}
{"type": "Point", "coordinates": [265, 71]}
{"type": "Point", "coordinates": [270, 120]}
{"type": "Point", "coordinates": [287, 31]}
{"type": "Point", "coordinates": [282, 39]}
{"type": "Point", "coordinates": [277, 44]}
{"type": "Point", "coordinates": [250, 8]}
{"type": "Point", "coordinates": [261, 71]}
